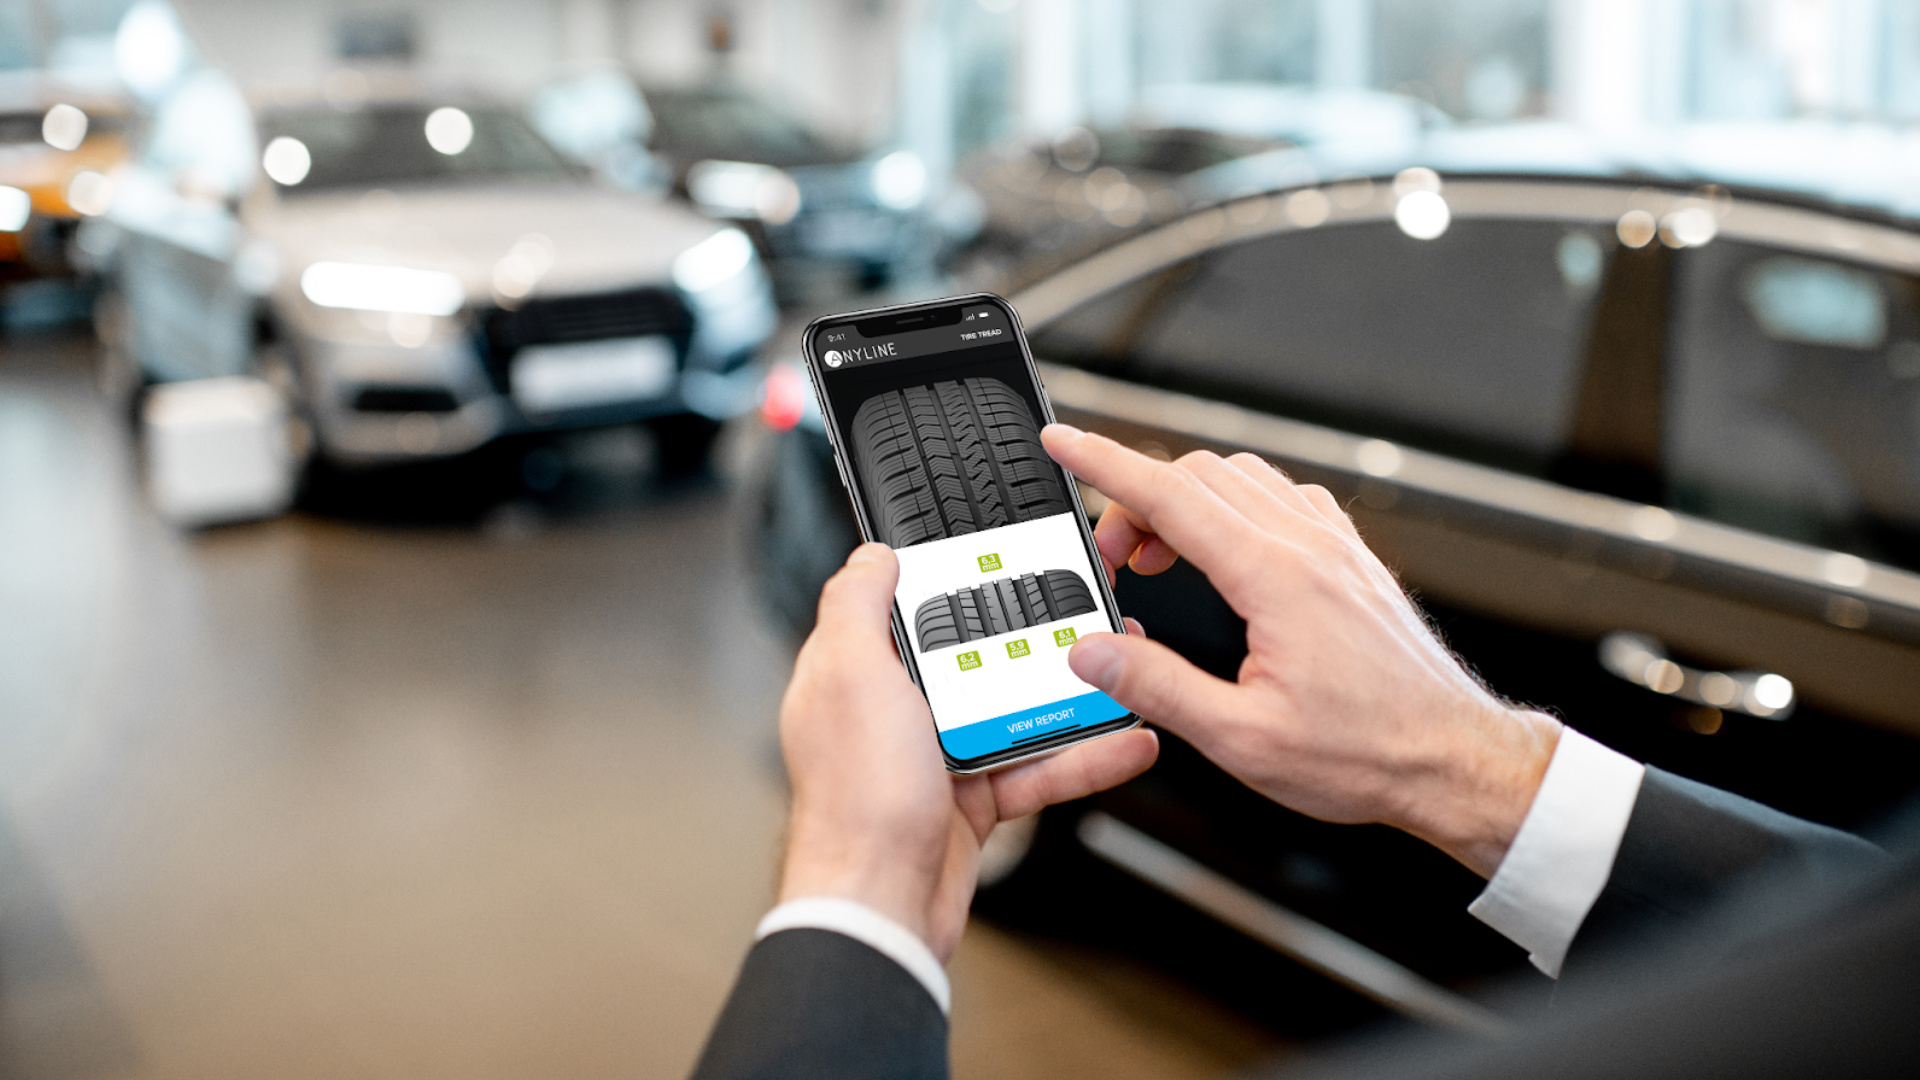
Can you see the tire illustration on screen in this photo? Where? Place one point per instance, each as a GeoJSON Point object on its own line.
{"type": "Point", "coordinates": [937, 432]}
{"type": "Point", "coordinates": [951, 458]}
{"type": "Point", "coordinates": [1014, 603]}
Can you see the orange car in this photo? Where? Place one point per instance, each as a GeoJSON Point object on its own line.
{"type": "Point", "coordinates": [58, 153]}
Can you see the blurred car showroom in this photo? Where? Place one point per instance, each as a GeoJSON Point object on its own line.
{"type": "Point", "coordinates": [411, 500]}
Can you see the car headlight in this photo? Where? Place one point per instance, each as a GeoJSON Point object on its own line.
{"type": "Point", "coordinates": [740, 189]}
{"type": "Point", "coordinates": [399, 289]}
{"type": "Point", "coordinates": [900, 180]}
{"type": "Point", "coordinates": [713, 261]}
{"type": "Point", "coordinates": [15, 207]}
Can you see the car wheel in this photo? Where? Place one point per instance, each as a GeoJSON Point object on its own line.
{"type": "Point", "coordinates": [683, 442]}
{"type": "Point", "coordinates": [804, 529]}
{"type": "Point", "coordinates": [952, 458]}
{"type": "Point", "coordinates": [996, 607]}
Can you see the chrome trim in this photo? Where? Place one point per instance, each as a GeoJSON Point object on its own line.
{"type": "Point", "coordinates": [1243, 219]}
{"type": "Point", "coordinates": [1642, 661]}
{"type": "Point", "coordinates": [1327, 951]}
{"type": "Point", "coordinates": [1837, 583]}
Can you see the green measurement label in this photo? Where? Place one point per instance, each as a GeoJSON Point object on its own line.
{"type": "Point", "coordinates": [1064, 638]}
{"type": "Point", "coordinates": [1017, 648]}
{"type": "Point", "coordinates": [969, 661]}
{"type": "Point", "coordinates": [989, 563]}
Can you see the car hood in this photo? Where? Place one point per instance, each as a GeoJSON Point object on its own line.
{"type": "Point", "coordinates": [600, 239]}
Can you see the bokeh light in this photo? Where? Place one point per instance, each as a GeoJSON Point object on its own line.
{"type": "Point", "coordinates": [64, 127]}
{"type": "Point", "coordinates": [1637, 228]}
{"type": "Point", "coordinates": [1423, 215]}
{"type": "Point", "coordinates": [286, 161]}
{"type": "Point", "coordinates": [449, 130]}
{"type": "Point", "coordinates": [90, 192]}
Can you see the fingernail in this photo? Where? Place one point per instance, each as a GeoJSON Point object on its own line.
{"type": "Point", "coordinates": [1096, 661]}
{"type": "Point", "coordinates": [868, 552]}
{"type": "Point", "coordinates": [1066, 431]}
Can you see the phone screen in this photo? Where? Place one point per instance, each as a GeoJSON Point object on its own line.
{"type": "Point", "coordinates": [936, 416]}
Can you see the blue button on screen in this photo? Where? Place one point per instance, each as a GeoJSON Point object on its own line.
{"type": "Point", "coordinates": [1029, 725]}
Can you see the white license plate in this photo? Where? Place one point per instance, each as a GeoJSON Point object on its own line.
{"type": "Point", "coordinates": [553, 378]}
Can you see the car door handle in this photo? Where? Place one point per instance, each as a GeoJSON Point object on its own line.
{"type": "Point", "coordinates": [1643, 661]}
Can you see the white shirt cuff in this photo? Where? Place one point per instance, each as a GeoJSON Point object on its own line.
{"type": "Point", "coordinates": [869, 927]}
{"type": "Point", "coordinates": [1563, 854]}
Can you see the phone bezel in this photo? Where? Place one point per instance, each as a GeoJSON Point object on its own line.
{"type": "Point", "coordinates": [1012, 754]}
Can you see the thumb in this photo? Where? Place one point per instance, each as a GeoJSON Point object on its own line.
{"type": "Point", "coordinates": [859, 598]}
{"type": "Point", "coordinates": [1156, 682]}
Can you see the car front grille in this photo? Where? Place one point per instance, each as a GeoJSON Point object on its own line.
{"type": "Point", "coordinates": [404, 399]}
{"type": "Point", "coordinates": [562, 320]}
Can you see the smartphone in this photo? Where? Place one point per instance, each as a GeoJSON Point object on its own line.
{"type": "Point", "coordinates": [934, 411]}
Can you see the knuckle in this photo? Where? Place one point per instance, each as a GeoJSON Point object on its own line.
{"type": "Point", "coordinates": [1169, 481]}
{"type": "Point", "coordinates": [1265, 463]}
{"type": "Point", "coordinates": [834, 592]}
{"type": "Point", "coordinates": [1162, 687]}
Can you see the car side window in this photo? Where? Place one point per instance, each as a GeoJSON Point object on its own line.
{"type": "Point", "coordinates": [1470, 344]}
{"type": "Point", "coordinates": [1794, 398]}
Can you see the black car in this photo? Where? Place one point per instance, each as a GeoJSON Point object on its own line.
{"type": "Point", "coordinates": [1647, 451]}
{"type": "Point", "coordinates": [817, 206]}
{"type": "Point", "coordinates": [1050, 201]}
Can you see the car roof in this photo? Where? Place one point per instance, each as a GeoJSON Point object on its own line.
{"type": "Point", "coordinates": [1859, 170]}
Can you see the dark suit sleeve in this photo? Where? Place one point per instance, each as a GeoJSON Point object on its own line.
{"type": "Point", "coordinates": [1688, 846]}
{"type": "Point", "coordinates": [814, 1003]}
{"type": "Point", "coordinates": [1827, 991]}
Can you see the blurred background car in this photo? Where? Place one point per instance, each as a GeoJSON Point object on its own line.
{"type": "Point", "coordinates": [828, 215]}
{"type": "Point", "coordinates": [1644, 449]}
{"type": "Point", "coordinates": [58, 145]}
{"type": "Point", "coordinates": [1050, 202]}
{"type": "Point", "coordinates": [818, 207]}
{"type": "Point", "coordinates": [421, 273]}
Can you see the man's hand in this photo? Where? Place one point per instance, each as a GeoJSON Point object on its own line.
{"type": "Point", "coordinates": [876, 816]}
{"type": "Point", "coordinates": [1347, 707]}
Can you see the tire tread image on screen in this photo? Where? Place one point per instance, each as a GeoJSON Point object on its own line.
{"type": "Point", "coordinates": [952, 458]}
{"type": "Point", "coordinates": [1013, 603]}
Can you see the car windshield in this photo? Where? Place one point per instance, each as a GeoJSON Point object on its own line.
{"type": "Point", "coordinates": [732, 125]}
{"type": "Point", "coordinates": [405, 144]}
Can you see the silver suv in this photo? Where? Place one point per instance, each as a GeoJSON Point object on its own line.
{"type": "Point", "coordinates": [418, 271]}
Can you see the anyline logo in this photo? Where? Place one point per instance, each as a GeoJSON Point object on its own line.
{"type": "Point", "coordinates": [835, 357]}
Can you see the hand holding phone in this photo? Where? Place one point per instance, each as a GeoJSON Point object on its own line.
{"type": "Point", "coordinates": [934, 411]}
{"type": "Point", "coordinates": [877, 818]}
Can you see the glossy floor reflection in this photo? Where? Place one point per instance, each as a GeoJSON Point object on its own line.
{"type": "Point", "coordinates": [323, 797]}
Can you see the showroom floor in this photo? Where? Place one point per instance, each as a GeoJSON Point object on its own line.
{"type": "Point", "coordinates": [327, 797]}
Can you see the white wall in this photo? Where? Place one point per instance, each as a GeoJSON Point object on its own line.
{"type": "Point", "coordinates": [834, 61]}
{"type": "Point", "coordinates": [259, 39]}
